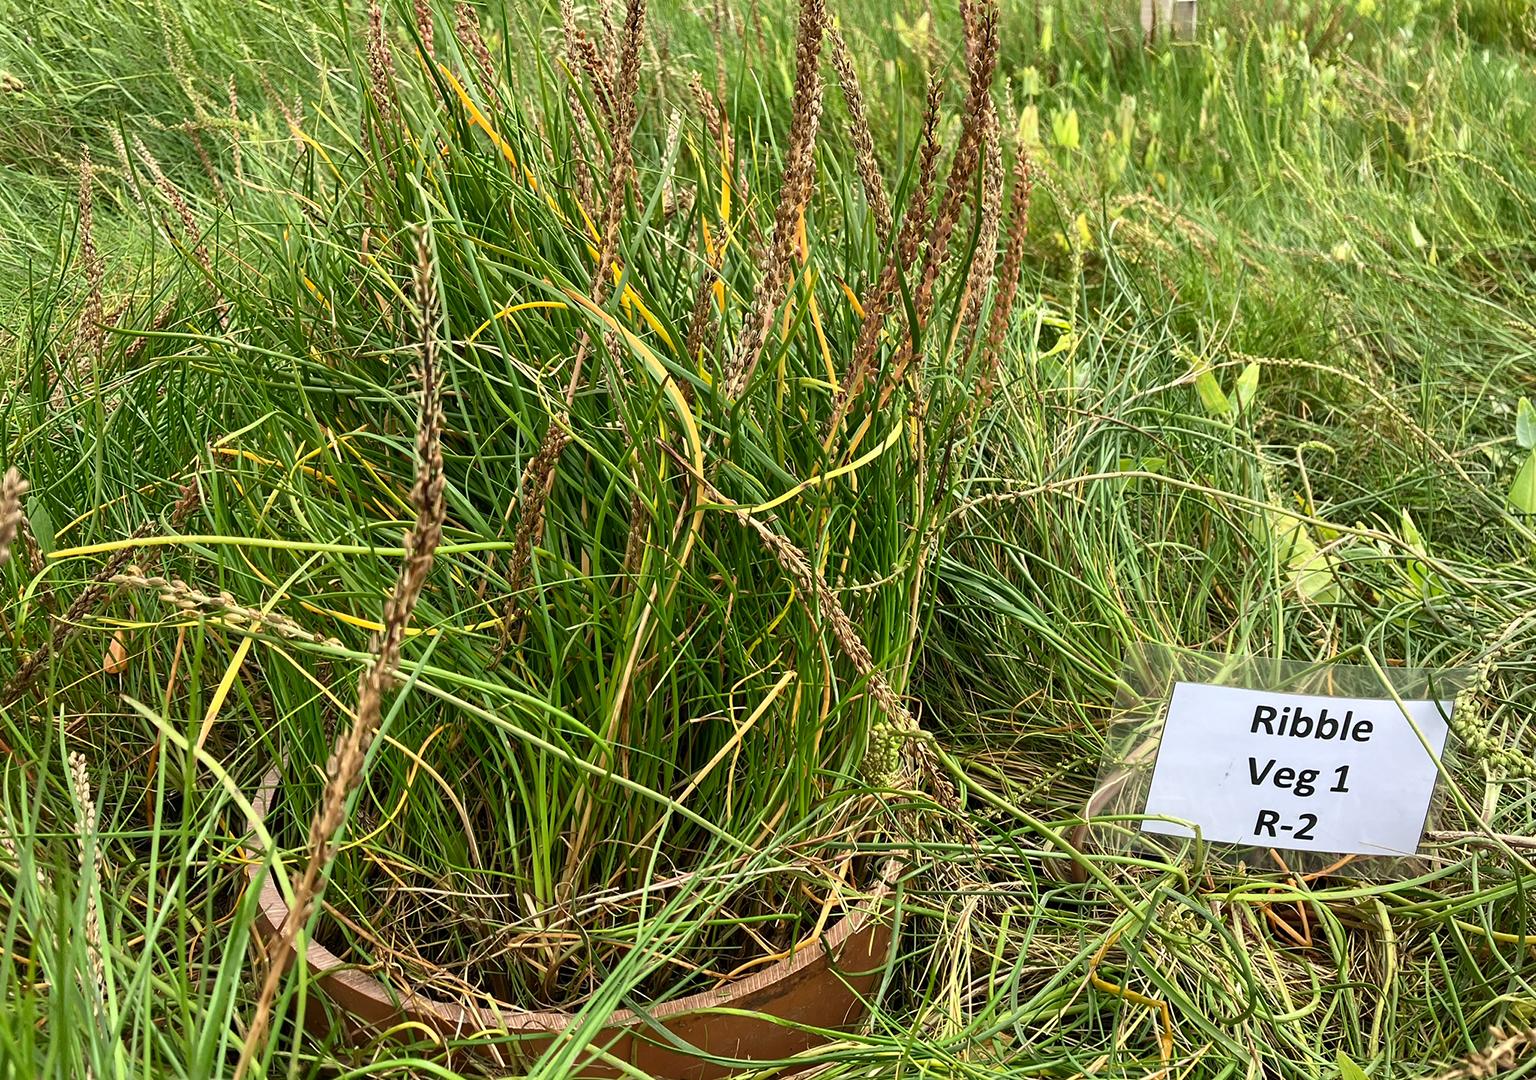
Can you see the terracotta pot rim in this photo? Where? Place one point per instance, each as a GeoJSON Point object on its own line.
{"type": "Point", "coordinates": [340, 975]}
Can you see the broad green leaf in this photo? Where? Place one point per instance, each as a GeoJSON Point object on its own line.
{"type": "Point", "coordinates": [1247, 384]}
{"type": "Point", "coordinates": [1211, 395]}
{"type": "Point", "coordinates": [1522, 493]}
{"type": "Point", "coordinates": [1305, 563]}
{"type": "Point", "coordinates": [1084, 233]}
{"type": "Point", "coordinates": [42, 525]}
{"type": "Point", "coordinates": [1029, 125]}
{"type": "Point", "coordinates": [913, 35]}
{"type": "Point", "coordinates": [1348, 1070]}
{"type": "Point", "coordinates": [1416, 569]}
{"type": "Point", "coordinates": [1525, 425]}
{"type": "Point", "coordinates": [1143, 464]}
{"type": "Point", "coordinates": [1064, 129]}
{"type": "Point", "coordinates": [1062, 343]}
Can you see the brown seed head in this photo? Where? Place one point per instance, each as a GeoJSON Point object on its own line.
{"type": "Point", "coordinates": [585, 145]}
{"type": "Point", "coordinates": [629, 65]}
{"type": "Point", "coordinates": [190, 238]}
{"type": "Point", "coordinates": [91, 320]}
{"type": "Point", "coordinates": [234, 132]}
{"type": "Point", "coordinates": [90, 876]}
{"type": "Point", "coordinates": [1008, 276]}
{"type": "Point", "coordinates": [345, 768]}
{"type": "Point", "coordinates": [861, 136]}
{"type": "Point", "coordinates": [538, 477]}
{"type": "Point", "coordinates": [914, 223]}
{"type": "Point", "coordinates": [981, 50]}
{"type": "Point", "coordinates": [582, 54]}
{"type": "Point", "coordinates": [989, 226]}
{"type": "Point", "coordinates": [381, 64]}
{"type": "Point", "coordinates": [539, 474]}
{"type": "Point", "coordinates": [424, 28]}
{"type": "Point", "coordinates": [194, 601]}
{"type": "Point", "coordinates": [826, 612]}
{"type": "Point", "coordinates": [702, 325]}
{"type": "Point", "coordinates": [709, 110]}
{"type": "Point", "coordinates": [776, 261]}
{"type": "Point", "coordinates": [205, 160]}
{"type": "Point", "coordinates": [467, 27]}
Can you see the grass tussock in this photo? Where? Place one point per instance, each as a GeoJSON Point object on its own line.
{"type": "Point", "coordinates": [715, 483]}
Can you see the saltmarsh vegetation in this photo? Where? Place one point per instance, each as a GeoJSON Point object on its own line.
{"type": "Point", "coordinates": [771, 423]}
{"type": "Point", "coordinates": [682, 456]}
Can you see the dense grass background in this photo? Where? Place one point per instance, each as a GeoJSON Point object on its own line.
{"type": "Point", "coordinates": [1261, 395]}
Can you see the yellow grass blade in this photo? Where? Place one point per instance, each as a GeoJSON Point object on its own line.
{"type": "Point", "coordinates": [858, 308]}
{"type": "Point", "coordinates": [680, 406]}
{"type": "Point", "coordinates": [513, 309]}
{"type": "Point", "coordinates": [821, 478]}
{"type": "Point", "coordinates": [477, 118]}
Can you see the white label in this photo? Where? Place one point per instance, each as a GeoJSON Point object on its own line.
{"type": "Point", "coordinates": [1300, 772]}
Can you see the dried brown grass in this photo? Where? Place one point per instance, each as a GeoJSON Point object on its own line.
{"type": "Point", "coordinates": [1505, 1050]}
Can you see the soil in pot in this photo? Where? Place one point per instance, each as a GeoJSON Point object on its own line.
{"type": "Point", "coordinates": [473, 933]}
